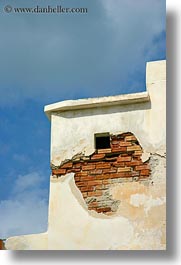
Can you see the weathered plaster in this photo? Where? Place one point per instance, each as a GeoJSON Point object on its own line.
{"type": "Point", "coordinates": [140, 220]}
{"type": "Point", "coordinates": [145, 119]}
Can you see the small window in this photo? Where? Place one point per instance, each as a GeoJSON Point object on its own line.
{"type": "Point", "coordinates": [102, 141]}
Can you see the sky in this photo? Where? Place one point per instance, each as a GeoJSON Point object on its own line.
{"type": "Point", "coordinates": [46, 58]}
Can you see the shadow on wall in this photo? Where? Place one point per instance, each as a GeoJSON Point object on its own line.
{"type": "Point", "coordinates": [104, 110]}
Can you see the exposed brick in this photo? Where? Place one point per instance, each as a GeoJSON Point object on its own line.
{"type": "Point", "coordinates": [130, 138]}
{"type": "Point", "coordinates": [125, 144]}
{"type": "Point", "coordinates": [137, 153]}
{"type": "Point", "coordinates": [91, 188]}
{"type": "Point", "coordinates": [105, 209]}
{"type": "Point", "coordinates": [120, 164]}
{"type": "Point", "coordinates": [95, 193]}
{"type": "Point", "coordinates": [80, 174]}
{"type": "Point", "coordinates": [97, 156]}
{"type": "Point", "coordinates": [88, 188]}
{"type": "Point", "coordinates": [96, 172]}
{"type": "Point", "coordinates": [115, 142]}
{"type": "Point", "coordinates": [135, 173]}
{"type": "Point", "coordinates": [106, 181]}
{"type": "Point", "coordinates": [145, 172]}
{"type": "Point", "coordinates": [88, 167]}
{"type": "Point", "coordinates": [103, 176]}
{"type": "Point", "coordinates": [81, 184]}
{"type": "Point", "coordinates": [103, 165]}
{"type": "Point", "coordinates": [124, 169]}
{"type": "Point", "coordinates": [77, 165]}
{"type": "Point", "coordinates": [67, 165]}
{"type": "Point", "coordinates": [94, 182]}
{"type": "Point", "coordinates": [141, 167]}
{"type": "Point", "coordinates": [119, 149]}
{"type": "Point", "coordinates": [58, 171]}
{"type": "Point", "coordinates": [74, 170]}
{"type": "Point", "coordinates": [104, 151]}
{"type": "Point", "coordinates": [86, 178]}
{"type": "Point", "coordinates": [93, 204]}
{"type": "Point", "coordinates": [84, 194]}
{"type": "Point", "coordinates": [133, 163]}
{"type": "Point", "coordinates": [100, 187]}
{"type": "Point", "coordinates": [110, 170]}
{"type": "Point", "coordinates": [111, 158]}
{"type": "Point", "coordinates": [77, 178]}
{"type": "Point", "coordinates": [120, 175]}
{"type": "Point", "coordinates": [134, 148]}
{"type": "Point", "coordinates": [124, 158]}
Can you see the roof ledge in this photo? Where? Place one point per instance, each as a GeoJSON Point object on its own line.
{"type": "Point", "coordinates": [89, 103]}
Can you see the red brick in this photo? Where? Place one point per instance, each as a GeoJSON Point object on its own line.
{"type": "Point", "coordinates": [94, 182]}
{"type": "Point", "coordinates": [77, 165]}
{"type": "Point", "coordinates": [88, 167]}
{"type": "Point", "coordinates": [119, 149]}
{"type": "Point", "coordinates": [125, 144]}
{"type": "Point", "coordinates": [97, 156]}
{"type": "Point", "coordinates": [88, 188]}
{"type": "Point", "coordinates": [106, 181]}
{"type": "Point", "coordinates": [124, 169]}
{"type": "Point", "coordinates": [111, 170]}
{"type": "Point", "coordinates": [104, 151]}
{"type": "Point", "coordinates": [84, 194]}
{"type": "Point", "coordinates": [103, 165]}
{"type": "Point", "coordinates": [86, 178]}
{"type": "Point", "coordinates": [96, 172]}
{"type": "Point", "coordinates": [105, 209]}
{"type": "Point", "coordinates": [67, 165]}
{"type": "Point", "coordinates": [145, 172]}
{"type": "Point", "coordinates": [137, 153]}
{"type": "Point", "coordinates": [124, 159]}
{"type": "Point", "coordinates": [77, 178]}
{"type": "Point", "coordinates": [58, 171]}
{"type": "Point", "coordinates": [103, 176]}
{"type": "Point", "coordinates": [95, 193]}
{"type": "Point", "coordinates": [100, 187]}
{"type": "Point", "coordinates": [134, 148]}
{"type": "Point", "coordinates": [122, 175]}
{"type": "Point", "coordinates": [93, 204]}
{"type": "Point", "coordinates": [81, 184]}
{"type": "Point", "coordinates": [116, 164]}
{"type": "Point", "coordinates": [130, 138]}
{"type": "Point", "coordinates": [133, 163]}
{"type": "Point", "coordinates": [111, 158]}
{"type": "Point", "coordinates": [115, 142]}
{"type": "Point", "coordinates": [80, 174]}
{"type": "Point", "coordinates": [74, 170]}
{"type": "Point", "coordinates": [142, 167]}
{"type": "Point", "coordinates": [135, 173]}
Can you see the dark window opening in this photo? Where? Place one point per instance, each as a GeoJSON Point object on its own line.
{"type": "Point", "coordinates": [102, 141]}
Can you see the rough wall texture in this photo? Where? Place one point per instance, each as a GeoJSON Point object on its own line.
{"type": "Point", "coordinates": [2, 247]}
{"type": "Point", "coordinates": [134, 216]}
{"type": "Point", "coordinates": [95, 174]}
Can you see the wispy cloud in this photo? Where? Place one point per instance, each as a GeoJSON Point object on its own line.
{"type": "Point", "coordinates": [53, 57]}
{"type": "Point", "coordinates": [26, 209]}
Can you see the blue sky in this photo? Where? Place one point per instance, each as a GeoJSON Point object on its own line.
{"type": "Point", "coordinates": [45, 58]}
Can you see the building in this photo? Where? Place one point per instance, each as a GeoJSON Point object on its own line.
{"type": "Point", "coordinates": [108, 181]}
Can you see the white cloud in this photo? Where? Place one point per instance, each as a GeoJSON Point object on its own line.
{"type": "Point", "coordinates": [54, 56]}
{"type": "Point", "coordinates": [26, 210]}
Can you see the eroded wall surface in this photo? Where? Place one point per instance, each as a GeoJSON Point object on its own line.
{"type": "Point", "coordinates": [125, 206]}
{"type": "Point", "coordinates": [95, 174]}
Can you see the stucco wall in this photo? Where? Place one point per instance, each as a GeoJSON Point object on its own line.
{"type": "Point", "coordinates": [140, 220]}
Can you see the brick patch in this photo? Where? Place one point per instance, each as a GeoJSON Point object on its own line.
{"type": "Point", "coordinates": [95, 174]}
